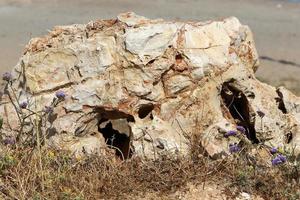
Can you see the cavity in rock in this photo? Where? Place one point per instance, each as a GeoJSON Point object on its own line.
{"type": "Point", "coordinates": [289, 137]}
{"type": "Point", "coordinates": [145, 110]}
{"type": "Point", "coordinates": [115, 128]}
{"type": "Point", "coordinates": [238, 106]}
{"type": "Point", "coordinates": [280, 102]}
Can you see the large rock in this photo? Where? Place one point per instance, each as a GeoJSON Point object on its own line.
{"type": "Point", "coordinates": [146, 87]}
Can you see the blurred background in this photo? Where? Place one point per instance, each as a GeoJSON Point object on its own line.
{"type": "Point", "coordinates": [275, 24]}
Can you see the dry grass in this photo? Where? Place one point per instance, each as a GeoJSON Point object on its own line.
{"type": "Point", "coordinates": [49, 174]}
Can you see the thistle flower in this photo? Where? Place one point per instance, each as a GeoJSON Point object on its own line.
{"type": "Point", "coordinates": [60, 94]}
{"type": "Point", "coordinates": [280, 159]}
{"type": "Point", "coordinates": [7, 76]}
{"type": "Point", "coordinates": [23, 105]}
{"type": "Point", "coordinates": [273, 150]}
{"type": "Point", "coordinates": [9, 141]}
{"type": "Point", "coordinates": [230, 133]}
{"type": "Point", "coordinates": [276, 161]}
{"type": "Point", "coordinates": [241, 129]}
{"type": "Point", "coordinates": [260, 113]}
{"type": "Point", "coordinates": [233, 148]}
{"type": "Point", "coordinates": [48, 109]}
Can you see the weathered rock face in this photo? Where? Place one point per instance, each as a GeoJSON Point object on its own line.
{"type": "Point", "coordinates": [145, 87]}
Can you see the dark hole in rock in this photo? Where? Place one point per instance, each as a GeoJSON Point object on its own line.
{"type": "Point", "coordinates": [280, 102]}
{"type": "Point", "coordinates": [144, 110]}
{"type": "Point", "coordinates": [178, 57]}
{"type": "Point", "coordinates": [250, 95]}
{"type": "Point", "coordinates": [238, 106]}
{"type": "Point", "coordinates": [114, 126]}
{"type": "Point", "coordinates": [151, 116]}
{"type": "Point", "coordinates": [289, 137]}
{"type": "Point", "coordinates": [160, 145]}
{"type": "Point", "coordinates": [151, 61]}
{"type": "Point", "coordinates": [120, 142]}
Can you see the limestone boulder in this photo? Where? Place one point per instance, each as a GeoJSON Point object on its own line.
{"type": "Point", "coordinates": [148, 87]}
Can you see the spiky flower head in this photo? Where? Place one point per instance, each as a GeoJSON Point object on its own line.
{"type": "Point", "coordinates": [241, 129]}
{"type": "Point", "coordinates": [273, 150]}
{"type": "Point", "coordinates": [282, 157]}
{"type": "Point", "coordinates": [7, 76]}
{"type": "Point", "coordinates": [234, 148]}
{"type": "Point", "coordinates": [230, 133]}
{"type": "Point", "coordinates": [279, 159]}
{"type": "Point", "coordinates": [23, 105]}
{"type": "Point", "coordinates": [60, 94]}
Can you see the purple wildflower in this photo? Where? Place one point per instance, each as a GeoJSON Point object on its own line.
{"type": "Point", "coordinates": [260, 113]}
{"type": "Point", "coordinates": [7, 76]}
{"type": "Point", "coordinates": [241, 129]}
{"type": "Point", "coordinates": [24, 105]}
{"type": "Point", "coordinates": [233, 148]}
{"type": "Point", "coordinates": [230, 133]}
{"type": "Point", "coordinates": [280, 159]}
{"type": "Point", "coordinates": [9, 141]}
{"type": "Point", "coordinates": [60, 94]}
{"type": "Point", "coordinates": [274, 150]}
{"type": "Point", "coordinates": [276, 161]}
{"type": "Point", "coordinates": [48, 109]}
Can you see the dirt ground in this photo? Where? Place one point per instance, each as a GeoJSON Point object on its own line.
{"type": "Point", "coordinates": [275, 23]}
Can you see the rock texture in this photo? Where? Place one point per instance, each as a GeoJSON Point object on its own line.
{"type": "Point", "coordinates": [147, 87]}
